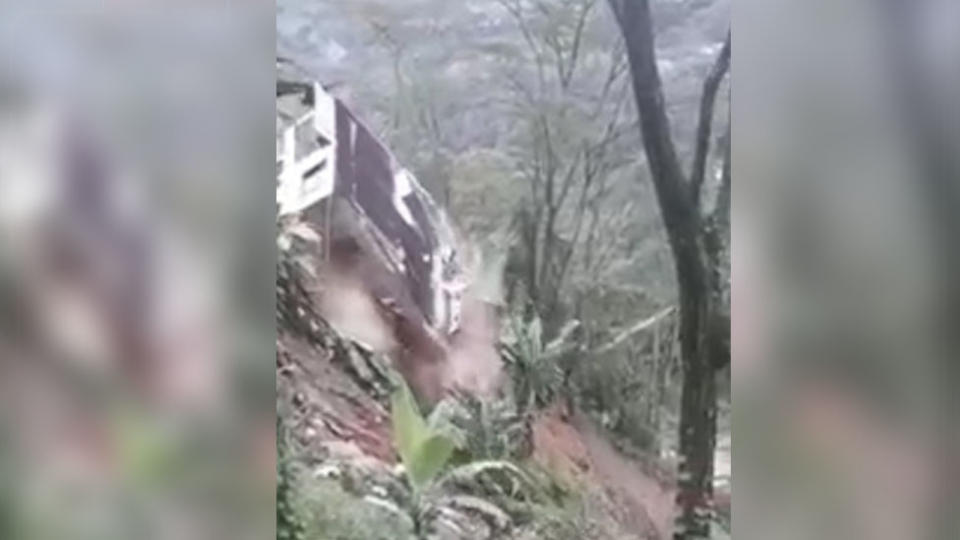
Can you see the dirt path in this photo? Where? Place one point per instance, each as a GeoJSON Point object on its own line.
{"type": "Point", "coordinates": [640, 490]}
{"type": "Point", "coordinates": [577, 451]}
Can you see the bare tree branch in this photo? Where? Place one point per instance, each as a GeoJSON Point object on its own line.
{"type": "Point", "coordinates": [516, 10]}
{"type": "Point", "coordinates": [569, 178]}
{"type": "Point", "coordinates": [618, 66]}
{"type": "Point", "coordinates": [589, 173]}
{"type": "Point", "coordinates": [577, 37]}
{"type": "Point", "coordinates": [638, 327]}
{"type": "Point", "coordinates": [520, 88]}
{"type": "Point", "coordinates": [710, 86]}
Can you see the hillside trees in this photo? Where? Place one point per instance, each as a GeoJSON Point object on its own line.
{"type": "Point", "coordinates": [568, 92]}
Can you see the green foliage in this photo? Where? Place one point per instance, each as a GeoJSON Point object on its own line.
{"type": "Point", "coordinates": [290, 525]}
{"type": "Point", "coordinates": [631, 389]}
{"type": "Point", "coordinates": [484, 195]}
{"type": "Point", "coordinates": [560, 523]}
{"type": "Point", "coordinates": [485, 429]}
{"type": "Point", "coordinates": [525, 493]}
{"type": "Point", "coordinates": [487, 498]}
{"type": "Point", "coordinates": [720, 530]}
{"type": "Point", "coordinates": [620, 392]}
{"type": "Point", "coordinates": [492, 478]}
{"type": "Point", "coordinates": [423, 450]}
{"type": "Point", "coordinates": [337, 514]}
{"type": "Point", "coordinates": [533, 367]}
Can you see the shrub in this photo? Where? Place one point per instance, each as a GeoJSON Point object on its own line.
{"type": "Point", "coordinates": [290, 525]}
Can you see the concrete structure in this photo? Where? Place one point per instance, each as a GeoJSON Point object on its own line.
{"type": "Point", "coordinates": [333, 172]}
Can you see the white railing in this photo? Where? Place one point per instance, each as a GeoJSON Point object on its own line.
{"type": "Point", "coordinates": [302, 183]}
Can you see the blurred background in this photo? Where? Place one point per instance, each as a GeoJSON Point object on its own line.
{"type": "Point", "coordinates": [136, 380]}
{"type": "Point", "coordinates": [845, 274]}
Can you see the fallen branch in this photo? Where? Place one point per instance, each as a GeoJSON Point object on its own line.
{"type": "Point", "coordinates": [629, 332]}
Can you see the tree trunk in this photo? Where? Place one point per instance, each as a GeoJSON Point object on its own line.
{"type": "Point", "coordinates": [698, 403]}
{"type": "Point", "coordinates": [693, 241]}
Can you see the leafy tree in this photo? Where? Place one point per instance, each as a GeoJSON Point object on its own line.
{"type": "Point", "coordinates": [567, 94]}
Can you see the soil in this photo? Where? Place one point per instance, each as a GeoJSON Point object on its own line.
{"type": "Point", "coordinates": [577, 452]}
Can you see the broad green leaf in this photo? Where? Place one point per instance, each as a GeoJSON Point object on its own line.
{"type": "Point", "coordinates": [431, 456]}
{"type": "Point", "coordinates": [535, 337]}
{"type": "Point", "coordinates": [409, 428]}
